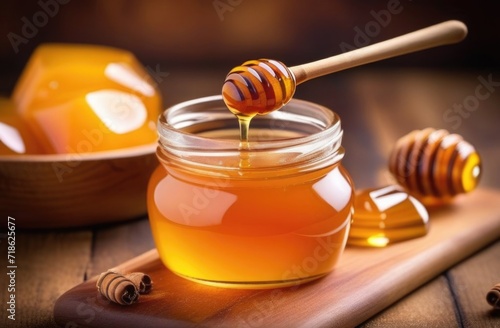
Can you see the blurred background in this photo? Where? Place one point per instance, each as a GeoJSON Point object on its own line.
{"type": "Point", "coordinates": [191, 45]}
{"type": "Point", "coordinates": [222, 33]}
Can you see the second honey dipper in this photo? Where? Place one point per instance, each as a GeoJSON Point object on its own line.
{"type": "Point", "coordinates": [262, 86]}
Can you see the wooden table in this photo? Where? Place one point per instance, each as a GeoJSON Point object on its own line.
{"type": "Point", "coordinates": [376, 107]}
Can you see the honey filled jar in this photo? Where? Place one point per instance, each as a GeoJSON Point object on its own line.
{"type": "Point", "coordinates": [269, 212]}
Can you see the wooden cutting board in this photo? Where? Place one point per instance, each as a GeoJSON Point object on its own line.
{"type": "Point", "coordinates": [365, 281]}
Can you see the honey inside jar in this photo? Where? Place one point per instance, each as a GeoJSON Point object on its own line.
{"type": "Point", "coordinates": [281, 220]}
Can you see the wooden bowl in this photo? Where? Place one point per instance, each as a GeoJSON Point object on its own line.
{"type": "Point", "coordinates": [70, 190]}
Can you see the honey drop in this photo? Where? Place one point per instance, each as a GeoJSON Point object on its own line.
{"type": "Point", "coordinates": [383, 216]}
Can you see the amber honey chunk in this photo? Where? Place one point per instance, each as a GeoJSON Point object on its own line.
{"type": "Point", "coordinates": [383, 216]}
{"type": "Point", "coordinates": [435, 165]}
{"type": "Point", "coordinates": [15, 136]}
{"type": "Point", "coordinates": [83, 98]}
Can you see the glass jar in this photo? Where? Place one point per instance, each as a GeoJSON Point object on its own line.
{"type": "Point", "coordinates": [272, 212]}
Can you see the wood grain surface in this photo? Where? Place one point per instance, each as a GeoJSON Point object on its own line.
{"type": "Point", "coordinates": [365, 282]}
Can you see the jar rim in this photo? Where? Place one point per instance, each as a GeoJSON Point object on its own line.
{"type": "Point", "coordinates": [169, 124]}
{"type": "Point", "coordinates": [181, 130]}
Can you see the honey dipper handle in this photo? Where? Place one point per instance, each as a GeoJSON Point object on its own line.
{"type": "Point", "coordinates": [436, 35]}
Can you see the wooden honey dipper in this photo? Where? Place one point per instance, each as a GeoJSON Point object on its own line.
{"type": "Point", "coordinates": [262, 86]}
{"type": "Point", "coordinates": [435, 165]}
